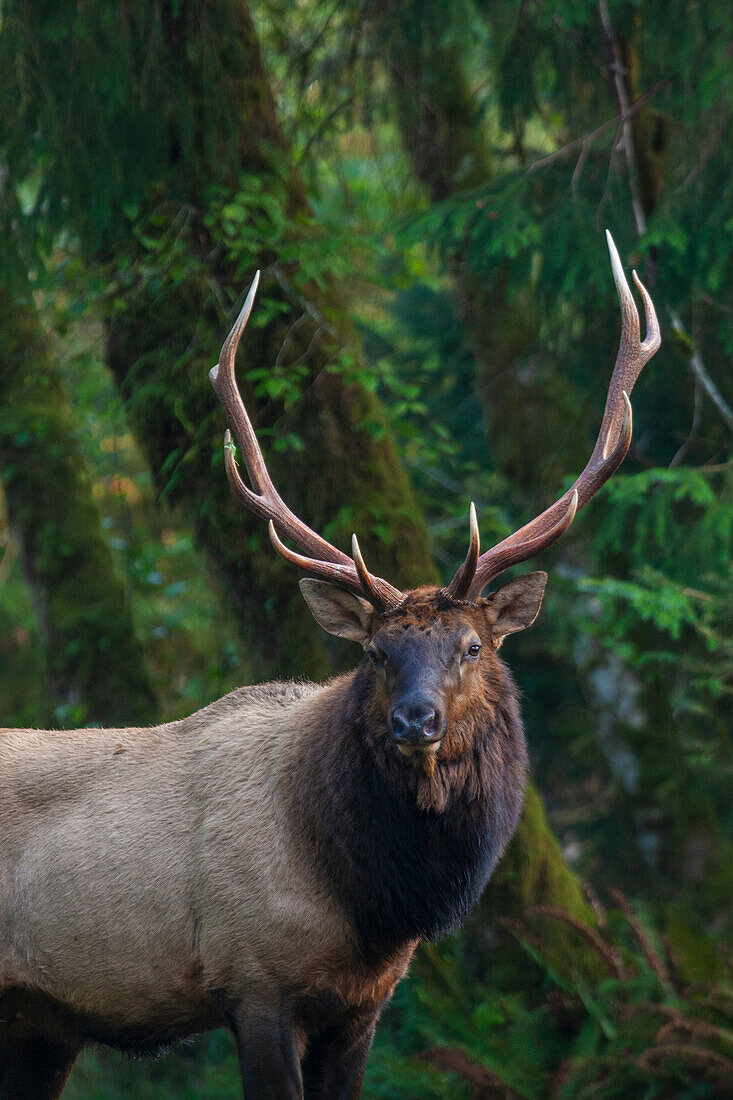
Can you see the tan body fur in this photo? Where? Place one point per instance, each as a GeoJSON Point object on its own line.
{"type": "Point", "coordinates": [169, 861]}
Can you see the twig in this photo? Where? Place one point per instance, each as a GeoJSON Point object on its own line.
{"type": "Point", "coordinates": [579, 166]}
{"type": "Point", "coordinates": [485, 1084]}
{"type": "Point", "coordinates": [306, 51]}
{"type": "Point", "coordinates": [697, 367]}
{"type": "Point", "coordinates": [715, 467]}
{"type": "Point", "coordinates": [518, 929]}
{"type": "Point", "coordinates": [652, 957]}
{"type": "Point", "coordinates": [289, 337]}
{"type": "Point", "coordinates": [695, 362]}
{"type": "Point", "coordinates": [591, 136]}
{"type": "Point", "coordinates": [647, 1008]}
{"type": "Point", "coordinates": [700, 1029]}
{"type": "Point", "coordinates": [305, 303]}
{"type": "Point", "coordinates": [6, 562]}
{"type": "Point", "coordinates": [707, 150]}
{"type": "Point", "coordinates": [622, 95]}
{"type": "Point", "coordinates": [707, 1061]}
{"type": "Point", "coordinates": [692, 434]}
{"type": "Point", "coordinates": [321, 129]}
{"type": "Point", "coordinates": [595, 903]}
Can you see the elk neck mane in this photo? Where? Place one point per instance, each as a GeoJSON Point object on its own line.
{"type": "Point", "coordinates": [408, 848]}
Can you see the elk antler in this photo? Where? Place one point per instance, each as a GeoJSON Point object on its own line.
{"type": "Point", "coordinates": [608, 454]}
{"type": "Point", "coordinates": [322, 560]}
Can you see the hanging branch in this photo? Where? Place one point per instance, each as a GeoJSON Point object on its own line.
{"type": "Point", "coordinates": [694, 360]}
{"type": "Point", "coordinates": [619, 72]}
{"type": "Point", "coordinates": [586, 139]}
{"type": "Point", "coordinates": [697, 367]}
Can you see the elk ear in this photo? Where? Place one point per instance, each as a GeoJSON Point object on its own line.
{"type": "Point", "coordinates": [340, 613]}
{"type": "Point", "coordinates": [516, 605]}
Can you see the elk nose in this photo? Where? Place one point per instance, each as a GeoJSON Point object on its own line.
{"type": "Point", "coordinates": [415, 722]}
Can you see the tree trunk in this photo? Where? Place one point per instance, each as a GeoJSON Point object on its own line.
{"type": "Point", "coordinates": [164, 335]}
{"type": "Point", "coordinates": [346, 476]}
{"type": "Point", "coordinates": [525, 412]}
{"type": "Point", "coordinates": [95, 662]}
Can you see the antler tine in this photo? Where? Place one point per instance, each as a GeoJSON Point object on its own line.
{"type": "Point", "coordinates": [379, 591]}
{"type": "Point", "coordinates": [653, 339]}
{"type": "Point", "coordinates": [511, 554]}
{"type": "Point", "coordinates": [461, 582]}
{"type": "Point", "coordinates": [263, 498]}
{"type": "Point", "coordinates": [611, 445]}
{"type": "Point", "coordinates": [328, 570]}
{"type": "Point", "coordinates": [632, 353]}
{"type": "Point", "coordinates": [225, 386]}
{"type": "Point", "coordinates": [323, 559]}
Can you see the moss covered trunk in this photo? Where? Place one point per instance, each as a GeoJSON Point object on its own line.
{"type": "Point", "coordinates": [341, 475]}
{"type": "Point", "coordinates": [95, 661]}
{"type": "Point", "coordinates": [532, 873]}
{"type": "Point", "coordinates": [328, 444]}
{"type": "Point", "coordinates": [525, 412]}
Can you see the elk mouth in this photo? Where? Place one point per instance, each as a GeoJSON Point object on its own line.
{"type": "Point", "coordinates": [421, 751]}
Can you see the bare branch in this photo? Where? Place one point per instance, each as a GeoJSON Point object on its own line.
{"type": "Point", "coordinates": [697, 367]}
{"type": "Point", "coordinates": [591, 136]}
{"type": "Point", "coordinates": [623, 101]}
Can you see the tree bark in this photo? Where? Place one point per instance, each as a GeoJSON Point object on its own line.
{"type": "Point", "coordinates": [525, 413]}
{"type": "Point", "coordinates": [532, 872]}
{"type": "Point", "coordinates": [165, 336]}
{"type": "Point", "coordinates": [95, 661]}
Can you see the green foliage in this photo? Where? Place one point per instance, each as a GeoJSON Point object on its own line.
{"type": "Point", "coordinates": [664, 614]}
{"type": "Point", "coordinates": [637, 1029]}
{"type": "Point", "coordinates": [460, 162]}
{"type": "Point", "coordinates": [206, 1068]}
{"type": "Point", "coordinates": [163, 101]}
{"type": "Point", "coordinates": [94, 660]}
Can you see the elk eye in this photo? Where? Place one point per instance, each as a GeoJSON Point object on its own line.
{"type": "Point", "coordinates": [376, 656]}
{"type": "Point", "coordinates": [473, 650]}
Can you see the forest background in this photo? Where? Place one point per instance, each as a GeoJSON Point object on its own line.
{"type": "Point", "coordinates": [425, 186]}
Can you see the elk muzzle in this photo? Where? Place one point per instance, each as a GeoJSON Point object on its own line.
{"type": "Point", "coordinates": [417, 721]}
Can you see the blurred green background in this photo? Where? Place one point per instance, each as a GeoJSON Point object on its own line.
{"type": "Point", "coordinates": [425, 186]}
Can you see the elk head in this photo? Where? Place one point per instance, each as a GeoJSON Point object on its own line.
{"type": "Point", "coordinates": [433, 650]}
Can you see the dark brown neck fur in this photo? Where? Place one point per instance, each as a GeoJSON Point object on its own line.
{"type": "Point", "coordinates": [408, 848]}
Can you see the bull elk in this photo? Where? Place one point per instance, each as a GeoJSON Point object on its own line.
{"type": "Point", "coordinates": [272, 862]}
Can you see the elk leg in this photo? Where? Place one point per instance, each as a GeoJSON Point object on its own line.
{"type": "Point", "coordinates": [268, 1055]}
{"type": "Point", "coordinates": [34, 1068]}
{"type": "Point", "coordinates": [334, 1064]}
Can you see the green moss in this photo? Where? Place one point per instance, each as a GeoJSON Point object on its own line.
{"type": "Point", "coordinates": [165, 330]}
{"type": "Point", "coordinates": [533, 868]}
{"type": "Point", "coordinates": [532, 872]}
{"type": "Point", "coordinates": [693, 952]}
{"type": "Point", "coordinates": [94, 659]}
